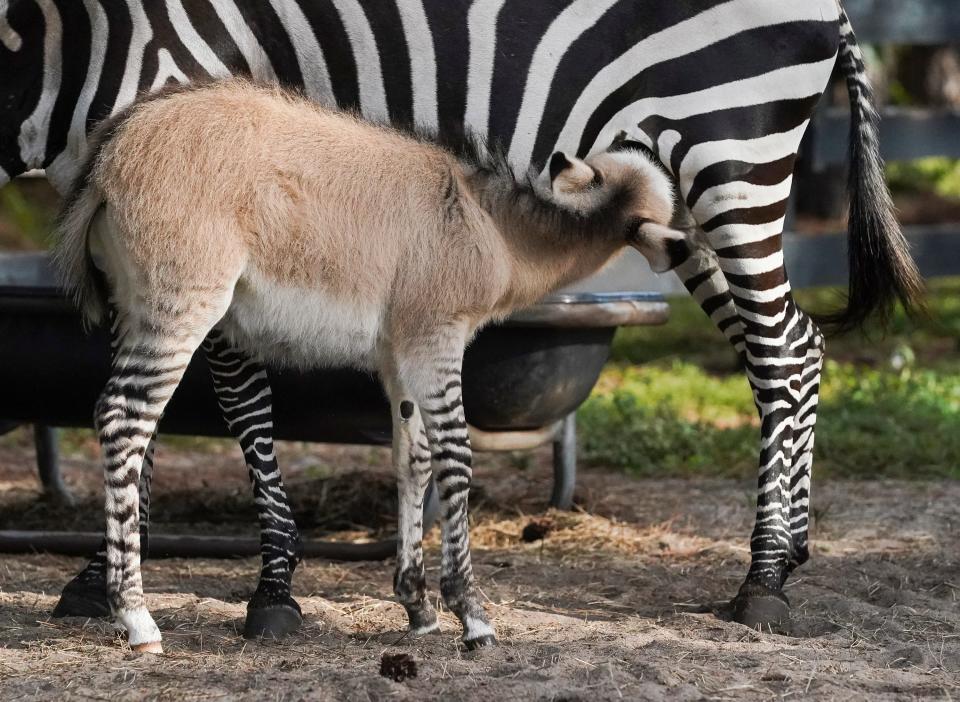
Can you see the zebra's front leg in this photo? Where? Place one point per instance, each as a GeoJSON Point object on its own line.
{"type": "Point", "coordinates": [86, 594]}
{"type": "Point", "coordinates": [431, 375]}
{"type": "Point", "coordinates": [411, 460]}
{"type": "Point", "coordinates": [243, 392]}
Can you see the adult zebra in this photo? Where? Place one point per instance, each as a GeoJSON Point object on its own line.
{"type": "Point", "coordinates": [720, 90]}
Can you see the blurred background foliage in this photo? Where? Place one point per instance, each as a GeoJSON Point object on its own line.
{"type": "Point", "coordinates": [936, 174]}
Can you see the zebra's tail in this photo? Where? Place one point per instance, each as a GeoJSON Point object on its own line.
{"type": "Point", "coordinates": [78, 275]}
{"type": "Point", "coordinates": [881, 268]}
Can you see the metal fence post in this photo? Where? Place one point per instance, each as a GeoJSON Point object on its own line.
{"type": "Point", "coordinates": [565, 463]}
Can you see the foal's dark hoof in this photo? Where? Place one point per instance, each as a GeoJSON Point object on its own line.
{"type": "Point", "coordinates": [485, 641]}
{"type": "Point", "coordinates": [83, 599]}
{"type": "Point", "coordinates": [423, 620]}
{"type": "Point", "coordinates": [760, 607]}
{"type": "Point", "coordinates": [272, 621]}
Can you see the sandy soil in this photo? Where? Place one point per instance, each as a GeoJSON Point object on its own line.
{"type": "Point", "coordinates": [596, 611]}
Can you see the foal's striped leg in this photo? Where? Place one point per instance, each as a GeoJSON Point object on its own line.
{"type": "Point", "coordinates": [243, 391]}
{"type": "Point", "coordinates": [148, 367]}
{"type": "Point", "coordinates": [158, 335]}
{"type": "Point", "coordinates": [86, 594]}
{"type": "Point", "coordinates": [432, 377]}
{"type": "Point", "coordinates": [411, 460]}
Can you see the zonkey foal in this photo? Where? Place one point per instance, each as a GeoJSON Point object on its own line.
{"type": "Point", "coordinates": [312, 238]}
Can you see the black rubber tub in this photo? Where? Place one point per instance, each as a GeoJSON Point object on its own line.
{"type": "Point", "coordinates": [527, 373]}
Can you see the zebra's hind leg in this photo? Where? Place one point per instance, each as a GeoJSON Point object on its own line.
{"type": "Point", "coordinates": [777, 339]}
{"type": "Point", "coordinates": [243, 391]}
{"type": "Point", "coordinates": [783, 365]}
{"type": "Point", "coordinates": [803, 433]}
{"type": "Point", "coordinates": [86, 594]}
{"type": "Point", "coordinates": [431, 374]}
{"type": "Point", "coordinates": [411, 460]}
{"type": "Point", "coordinates": [781, 350]}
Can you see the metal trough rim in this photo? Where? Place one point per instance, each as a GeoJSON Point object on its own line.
{"type": "Point", "coordinates": [28, 283]}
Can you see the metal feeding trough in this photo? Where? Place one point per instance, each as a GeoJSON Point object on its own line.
{"type": "Point", "coordinates": [522, 380]}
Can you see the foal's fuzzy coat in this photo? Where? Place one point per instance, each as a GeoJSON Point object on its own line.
{"type": "Point", "coordinates": [309, 237]}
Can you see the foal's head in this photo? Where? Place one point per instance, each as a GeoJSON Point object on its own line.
{"type": "Point", "coordinates": [635, 195]}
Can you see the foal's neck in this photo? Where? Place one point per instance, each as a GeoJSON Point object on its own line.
{"type": "Point", "coordinates": [548, 246]}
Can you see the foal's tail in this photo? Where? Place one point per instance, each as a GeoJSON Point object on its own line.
{"type": "Point", "coordinates": [77, 273]}
{"type": "Point", "coordinates": [881, 268]}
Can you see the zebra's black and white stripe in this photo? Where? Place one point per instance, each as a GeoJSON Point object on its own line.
{"type": "Point", "coordinates": [720, 90]}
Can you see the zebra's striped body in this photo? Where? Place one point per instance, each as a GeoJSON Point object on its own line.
{"type": "Point", "coordinates": [720, 90]}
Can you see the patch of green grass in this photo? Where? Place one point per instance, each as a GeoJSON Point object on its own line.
{"type": "Point", "coordinates": [622, 428]}
{"type": "Point", "coordinates": [673, 402]}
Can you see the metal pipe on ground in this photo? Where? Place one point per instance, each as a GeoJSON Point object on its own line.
{"type": "Point", "coordinates": [68, 543]}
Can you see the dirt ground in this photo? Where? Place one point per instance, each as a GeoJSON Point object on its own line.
{"type": "Point", "coordinates": [598, 610]}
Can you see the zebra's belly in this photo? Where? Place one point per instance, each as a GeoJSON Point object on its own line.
{"type": "Point", "coordinates": [303, 328]}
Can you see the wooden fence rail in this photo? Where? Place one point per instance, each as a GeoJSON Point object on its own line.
{"type": "Point", "coordinates": [905, 133]}
{"type": "Point", "coordinates": [921, 22]}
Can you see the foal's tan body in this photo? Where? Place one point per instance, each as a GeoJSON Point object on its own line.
{"type": "Point", "coordinates": [311, 238]}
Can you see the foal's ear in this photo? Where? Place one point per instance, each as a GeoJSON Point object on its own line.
{"type": "Point", "coordinates": [569, 174]}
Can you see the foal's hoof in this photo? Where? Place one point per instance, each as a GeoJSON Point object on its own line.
{"type": "Point", "coordinates": [485, 641]}
{"type": "Point", "coordinates": [758, 606]}
{"type": "Point", "coordinates": [149, 647]}
{"type": "Point", "coordinates": [273, 620]}
{"type": "Point", "coordinates": [423, 620]}
{"type": "Point", "coordinates": [425, 629]}
{"type": "Point", "coordinates": [83, 599]}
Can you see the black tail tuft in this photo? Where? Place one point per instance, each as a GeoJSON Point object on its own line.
{"type": "Point", "coordinates": [881, 268]}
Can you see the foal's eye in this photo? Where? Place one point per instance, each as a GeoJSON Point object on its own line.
{"type": "Point", "coordinates": [597, 180]}
{"type": "Point", "coordinates": [633, 226]}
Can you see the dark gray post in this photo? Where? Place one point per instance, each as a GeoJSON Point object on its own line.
{"type": "Point", "coordinates": [565, 463]}
{"type": "Point", "coordinates": [48, 464]}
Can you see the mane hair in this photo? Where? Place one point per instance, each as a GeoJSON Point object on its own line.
{"type": "Point", "coordinates": [523, 204]}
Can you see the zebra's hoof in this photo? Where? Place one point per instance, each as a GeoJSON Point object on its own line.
{"type": "Point", "coordinates": [759, 607]}
{"type": "Point", "coordinates": [485, 641]}
{"type": "Point", "coordinates": [272, 621]}
{"type": "Point", "coordinates": [83, 599]}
